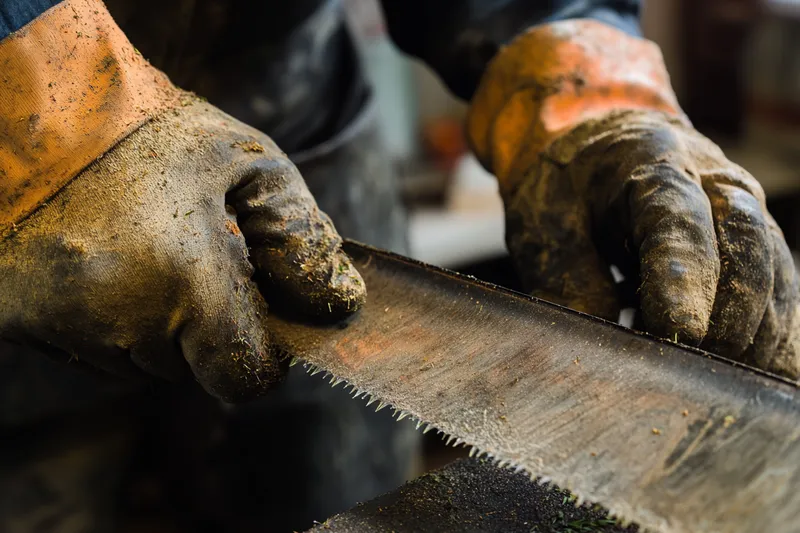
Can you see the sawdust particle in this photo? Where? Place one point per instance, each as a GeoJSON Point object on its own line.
{"type": "Point", "coordinates": [249, 146]}
{"type": "Point", "coordinates": [232, 228]}
{"type": "Point", "coordinates": [685, 412]}
{"type": "Point", "coordinates": [656, 431]}
{"type": "Point", "coordinates": [729, 421]}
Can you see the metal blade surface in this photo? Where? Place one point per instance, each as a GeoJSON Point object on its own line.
{"type": "Point", "coordinates": [674, 439]}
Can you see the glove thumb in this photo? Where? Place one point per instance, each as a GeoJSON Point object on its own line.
{"type": "Point", "coordinates": [549, 237]}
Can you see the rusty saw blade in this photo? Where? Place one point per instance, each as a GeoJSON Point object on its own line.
{"type": "Point", "coordinates": [674, 439]}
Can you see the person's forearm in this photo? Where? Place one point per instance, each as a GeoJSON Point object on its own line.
{"type": "Point", "coordinates": [457, 38]}
{"type": "Point", "coordinates": [14, 14]}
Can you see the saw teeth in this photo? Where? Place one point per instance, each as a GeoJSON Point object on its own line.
{"type": "Point", "coordinates": [381, 405]}
{"type": "Point", "coordinates": [427, 429]}
{"type": "Point", "coordinates": [315, 370]}
{"type": "Point", "coordinates": [336, 382]}
{"type": "Point", "coordinates": [518, 469]}
{"type": "Point", "coordinates": [457, 442]}
{"type": "Point", "coordinates": [502, 463]}
{"type": "Point", "coordinates": [472, 451]}
{"type": "Point", "coordinates": [403, 414]}
{"type": "Point", "coordinates": [449, 440]}
{"type": "Point", "coordinates": [419, 425]}
{"type": "Point", "coordinates": [372, 399]}
{"type": "Point", "coordinates": [294, 361]}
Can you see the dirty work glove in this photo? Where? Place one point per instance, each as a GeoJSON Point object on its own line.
{"type": "Point", "coordinates": [598, 166]}
{"type": "Point", "coordinates": [143, 261]}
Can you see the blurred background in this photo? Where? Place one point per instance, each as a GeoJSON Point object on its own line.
{"type": "Point", "coordinates": [735, 65]}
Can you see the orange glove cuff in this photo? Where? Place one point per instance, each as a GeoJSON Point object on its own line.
{"type": "Point", "coordinates": [552, 78]}
{"type": "Point", "coordinates": [71, 86]}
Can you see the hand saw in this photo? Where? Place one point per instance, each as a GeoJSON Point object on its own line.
{"type": "Point", "coordinates": [672, 438]}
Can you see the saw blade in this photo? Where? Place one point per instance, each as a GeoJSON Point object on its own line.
{"type": "Point", "coordinates": [674, 439]}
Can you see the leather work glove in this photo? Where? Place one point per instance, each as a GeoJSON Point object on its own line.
{"type": "Point", "coordinates": [136, 217]}
{"type": "Point", "coordinates": [598, 166]}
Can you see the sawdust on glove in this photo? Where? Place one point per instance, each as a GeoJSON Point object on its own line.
{"type": "Point", "coordinates": [141, 229]}
{"type": "Point", "coordinates": [148, 261]}
{"type": "Point", "coordinates": [598, 167]}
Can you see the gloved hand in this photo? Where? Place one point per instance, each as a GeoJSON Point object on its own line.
{"type": "Point", "coordinates": [146, 262]}
{"type": "Point", "coordinates": [598, 167]}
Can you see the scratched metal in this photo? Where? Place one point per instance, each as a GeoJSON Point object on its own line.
{"type": "Point", "coordinates": [671, 438]}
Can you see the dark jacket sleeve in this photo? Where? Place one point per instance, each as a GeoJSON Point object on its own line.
{"type": "Point", "coordinates": [457, 38]}
{"type": "Point", "coordinates": [14, 14]}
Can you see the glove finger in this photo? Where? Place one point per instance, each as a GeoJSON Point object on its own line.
{"type": "Point", "coordinates": [672, 229]}
{"type": "Point", "coordinates": [223, 333]}
{"type": "Point", "coordinates": [296, 249]}
{"type": "Point", "coordinates": [549, 238]}
{"type": "Point", "coordinates": [779, 315]}
{"type": "Point", "coordinates": [746, 272]}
